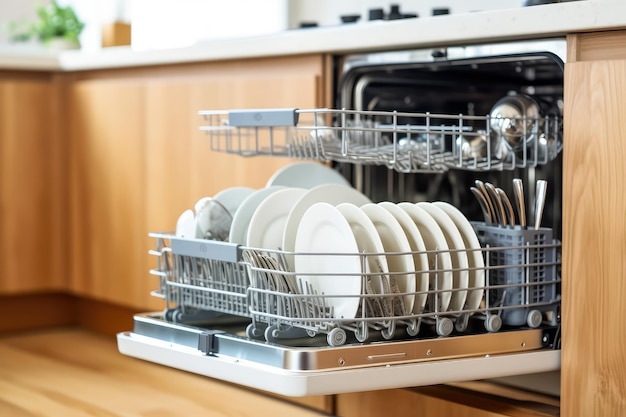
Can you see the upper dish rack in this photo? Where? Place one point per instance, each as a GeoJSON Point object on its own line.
{"type": "Point", "coordinates": [405, 142]}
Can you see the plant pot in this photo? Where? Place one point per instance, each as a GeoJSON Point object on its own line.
{"type": "Point", "coordinates": [61, 44]}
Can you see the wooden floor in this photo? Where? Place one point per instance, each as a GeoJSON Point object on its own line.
{"type": "Point", "coordinates": [72, 372]}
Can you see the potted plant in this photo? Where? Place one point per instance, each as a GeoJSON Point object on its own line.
{"type": "Point", "coordinates": [58, 27]}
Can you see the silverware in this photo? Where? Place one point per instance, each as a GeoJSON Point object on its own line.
{"type": "Point", "coordinates": [483, 190]}
{"type": "Point", "coordinates": [508, 206]}
{"type": "Point", "coordinates": [540, 201]}
{"type": "Point", "coordinates": [518, 192]}
{"type": "Point", "coordinates": [497, 203]}
{"type": "Point", "coordinates": [483, 204]}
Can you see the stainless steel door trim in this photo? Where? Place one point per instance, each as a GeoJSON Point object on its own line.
{"type": "Point", "coordinates": [293, 383]}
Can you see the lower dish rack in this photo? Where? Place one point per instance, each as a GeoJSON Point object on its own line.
{"type": "Point", "coordinates": [231, 308]}
{"type": "Point", "coordinates": [519, 287]}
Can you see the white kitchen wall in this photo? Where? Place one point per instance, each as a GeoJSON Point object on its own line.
{"type": "Point", "coordinates": [179, 23]}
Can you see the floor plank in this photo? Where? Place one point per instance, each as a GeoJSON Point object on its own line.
{"type": "Point", "coordinates": [72, 372]}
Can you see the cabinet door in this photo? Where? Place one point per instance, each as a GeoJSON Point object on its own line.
{"type": "Point", "coordinates": [444, 401]}
{"type": "Point", "coordinates": [33, 238]}
{"type": "Point", "coordinates": [139, 159]}
{"type": "Point", "coordinates": [107, 182]}
{"type": "Point", "coordinates": [594, 226]}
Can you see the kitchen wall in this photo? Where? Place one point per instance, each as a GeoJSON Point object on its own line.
{"type": "Point", "coordinates": [179, 23]}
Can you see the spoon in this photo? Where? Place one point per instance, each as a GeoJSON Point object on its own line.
{"type": "Point", "coordinates": [518, 192]}
{"type": "Point", "coordinates": [540, 201]}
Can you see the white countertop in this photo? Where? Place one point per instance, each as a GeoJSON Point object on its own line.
{"type": "Point", "coordinates": [544, 21]}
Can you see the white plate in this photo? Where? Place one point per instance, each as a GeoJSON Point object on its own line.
{"type": "Point", "coordinates": [241, 219]}
{"type": "Point", "coordinates": [267, 225]}
{"type": "Point", "coordinates": [327, 193]}
{"type": "Point", "coordinates": [420, 259]}
{"type": "Point", "coordinates": [306, 175]}
{"type": "Point", "coordinates": [475, 257]}
{"type": "Point", "coordinates": [434, 239]}
{"type": "Point", "coordinates": [186, 225]}
{"type": "Point", "coordinates": [459, 259]}
{"type": "Point", "coordinates": [232, 197]}
{"type": "Point", "coordinates": [324, 229]}
{"type": "Point", "coordinates": [395, 240]}
{"type": "Point", "coordinates": [368, 241]}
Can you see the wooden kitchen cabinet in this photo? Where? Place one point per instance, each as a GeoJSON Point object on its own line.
{"type": "Point", "coordinates": [138, 159]}
{"type": "Point", "coordinates": [594, 227]}
{"type": "Point", "coordinates": [33, 232]}
{"type": "Point", "coordinates": [473, 400]}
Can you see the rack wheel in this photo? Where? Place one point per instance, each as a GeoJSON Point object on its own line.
{"type": "Point", "coordinates": [444, 326]}
{"type": "Point", "coordinates": [534, 318]}
{"type": "Point", "coordinates": [336, 337]}
{"type": "Point", "coordinates": [493, 323]}
{"type": "Point", "coordinates": [311, 333]}
{"type": "Point", "coordinates": [253, 332]}
{"type": "Point", "coordinates": [272, 333]}
{"type": "Point", "coordinates": [169, 314]}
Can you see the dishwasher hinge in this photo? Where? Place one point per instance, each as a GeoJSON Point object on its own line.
{"type": "Point", "coordinates": [208, 342]}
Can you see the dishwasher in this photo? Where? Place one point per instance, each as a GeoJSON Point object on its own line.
{"type": "Point", "coordinates": [430, 125]}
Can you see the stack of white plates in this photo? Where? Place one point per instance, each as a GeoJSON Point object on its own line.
{"type": "Point", "coordinates": [416, 250]}
{"type": "Point", "coordinates": [257, 218]}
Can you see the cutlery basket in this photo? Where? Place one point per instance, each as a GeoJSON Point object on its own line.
{"type": "Point", "coordinates": [522, 271]}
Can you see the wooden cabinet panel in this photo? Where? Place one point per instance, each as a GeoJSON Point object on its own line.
{"type": "Point", "coordinates": [107, 182]}
{"type": "Point", "coordinates": [33, 239]}
{"type": "Point", "coordinates": [445, 401]}
{"type": "Point", "coordinates": [594, 237]}
{"type": "Point", "coordinates": [139, 159]}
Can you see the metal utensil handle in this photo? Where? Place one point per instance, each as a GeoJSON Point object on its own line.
{"type": "Point", "coordinates": [518, 192]}
{"type": "Point", "coordinates": [508, 206]}
{"type": "Point", "coordinates": [480, 186]}
{"type": "Point", "coordinates": [497, 202]}
{"type": "Point", "coordinates": [540, 201]}
{"type": "Point", "coordinates": [483, 205]}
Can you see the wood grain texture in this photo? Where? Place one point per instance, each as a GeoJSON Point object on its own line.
{"type": "Point", "coordinates": [441, 401]}
{"type": "Point", "coordinates": [594, 238]}
{"type": "Point", "coordinates": [139, 159]}
{"type": "Point", "coordinates": [596, 46]}
{"type": "Point", "coordinates": [71, 372]}
{"type": "Point", "coordinates": [32, 186]}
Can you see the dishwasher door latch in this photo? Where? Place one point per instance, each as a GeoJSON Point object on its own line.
{"type": "Point", "coordinates": [208, 342]}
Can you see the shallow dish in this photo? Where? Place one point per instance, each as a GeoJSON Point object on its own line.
{"type": "Point", "coordinates": [458, 254]}
{"type": "Point", "coordinates": [231, 198]}
{"type": "Point", "coordinates": [267, 225]}
{"type": "Point", "coordinates": [241, 219]}
{"type": "Point", "coordinates": [420, 259]}
{"type": "Point", "coordinates": [369, 242]}
{"type": "Point", "coordinates": [401, 267]}
{"type": "Point", "coordinates": [474, 256]}
{"type": "Point", "coordinates": [328, 193]}
{"type": "Point", "coordinates": [440, 261]}
{"type": "Point", "coordinates": [306, 175]}
{"type": "Point", "coordinates": [324, 230]}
